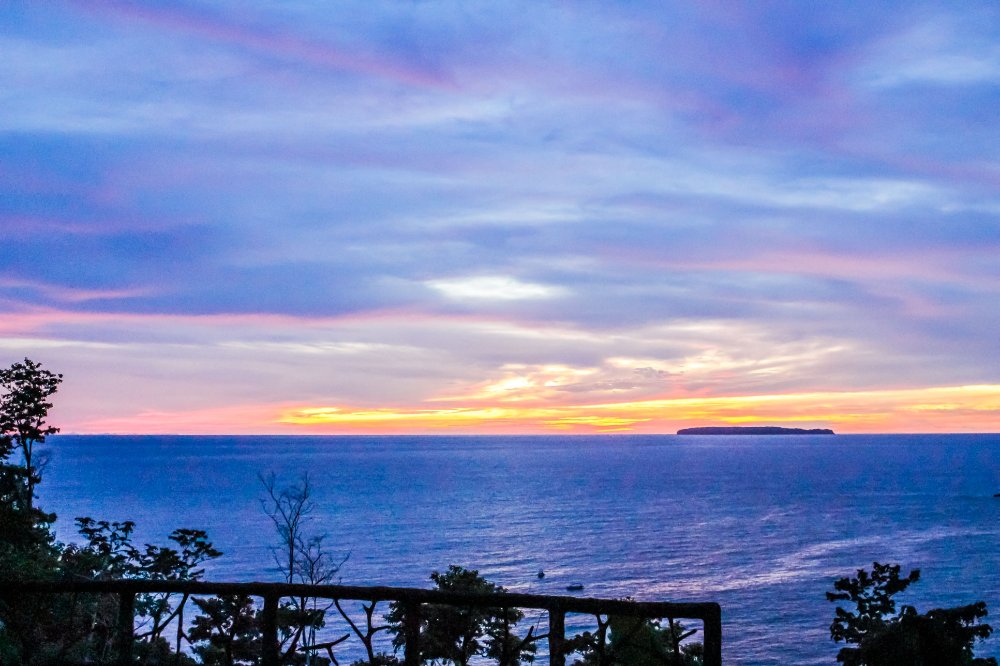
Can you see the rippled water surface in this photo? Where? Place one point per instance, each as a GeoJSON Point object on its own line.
{"type": "Point", "coordinates": [762, 525]}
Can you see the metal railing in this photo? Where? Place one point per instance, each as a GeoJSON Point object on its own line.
{"type": "Point", "coordinates": [411, 600]}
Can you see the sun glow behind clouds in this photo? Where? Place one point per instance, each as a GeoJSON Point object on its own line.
{"type": "Point", "coordinates": [492, 288]}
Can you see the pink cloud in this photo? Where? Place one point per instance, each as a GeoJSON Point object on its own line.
{"type": "Point", "coordinates": [21, 319]}
{"type": "Point", "coordinates": [272, 42]}
{"type": "Point", "coordinates": [225, 420]}
{"type": "Point", "coordinates": [72, 294]}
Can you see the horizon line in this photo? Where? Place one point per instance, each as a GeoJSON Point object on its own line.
{"type": "Point", "coordinates": [508, 434]}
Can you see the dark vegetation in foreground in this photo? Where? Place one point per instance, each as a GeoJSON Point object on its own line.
{"type": "Point", "coordinates": [229, 629]}
{"type": "Point", "coordinates": [878, 635]}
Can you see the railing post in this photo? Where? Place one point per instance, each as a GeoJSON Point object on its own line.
{"type": "Point", "coordinates": [126, 627]}
{"type": "Point", "coordinates": [557, 638]}
{"type": "Point", "coordinates": [411, 632]}
{"type": "Point", "coordinates": [505, 646]}
{"type": "Point", "coordinates": [713, 637]}
{"type": "Point", "coordinates": [270, 652]}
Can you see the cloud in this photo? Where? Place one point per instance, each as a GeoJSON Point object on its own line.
{"type": "Point", "coordinates": [394, 204]}
{"type": "Point", "coordinates": [492, 288]}
{"type": "Point", "coordinates": [261, 39]}
{"type": "Point", "coordinates": [941, 50]}
{"type": "Point", "coordinates": [36, 291]}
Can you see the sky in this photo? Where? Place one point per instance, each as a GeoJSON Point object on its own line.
{"type": "Point", "coordinates": [503, 217]}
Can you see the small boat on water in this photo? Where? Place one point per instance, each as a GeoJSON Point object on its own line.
{"type": "Point", "coordinates": [574, 587]}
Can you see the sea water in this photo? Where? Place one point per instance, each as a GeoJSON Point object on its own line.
{"type": "Point", "coordinates": [761, 524]}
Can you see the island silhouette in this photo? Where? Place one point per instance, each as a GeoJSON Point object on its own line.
{"type": "Point", "coordinates": [753, 430]}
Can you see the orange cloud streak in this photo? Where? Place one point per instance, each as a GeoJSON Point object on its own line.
{"type": "Point", "coordinates": [934, 409]}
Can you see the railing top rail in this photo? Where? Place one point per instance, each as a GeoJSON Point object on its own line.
{"type": "Point", "coordinates": [707, 611]}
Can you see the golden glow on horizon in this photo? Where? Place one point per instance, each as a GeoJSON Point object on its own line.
{"type": "Point", "coordinates": [934, 409]}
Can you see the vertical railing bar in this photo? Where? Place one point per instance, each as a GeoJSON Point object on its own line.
{"type": "Point", "coordinates": [126, 627]}
{"type": "Point", "coordinates": [270, 649]}
{"type": "Point", "coordinates": [602, 640]}
{"type": "Point", "coordinates": [557, 638]}
{"type": "Point", "coordinates": [180, 627]}
{"type": "Point", "coordinates": [71, 631]}
{"type": "Point", "coordinates": [713, 636]}
{"type": "Point", "coordinates": [411, 632]}
{"type": "Point", "coordinates": [504, 657]}
{"type": "Point", "coordinates": [675, 639]}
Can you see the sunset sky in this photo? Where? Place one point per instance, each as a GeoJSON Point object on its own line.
{"type": "Point", "coordinates": [498, 217]}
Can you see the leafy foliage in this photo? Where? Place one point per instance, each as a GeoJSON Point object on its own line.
{"type": "Point", "coordinates": [452, 634]}
{"type": "Point", "coordinates": [28, 547]}
{"type": "Point", "coordinates": [380, 659]}
{"type": "Point", "coordinates": [635, 641]}
{"type": "Point", "coordinates": [228, 632]}
{"type": "Point", "coordinates": [24, 407]}
{"type": "Point", "coordinates": [885, 638]}
{"type": "Point", "coordinates": [872, 596]}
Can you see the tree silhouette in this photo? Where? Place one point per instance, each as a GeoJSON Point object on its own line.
{"type": "Point", "coordinates": [24, 407]}
{"type": "Point", "coordinates": [885, 638]}
{"type": "Point", "coordinates": [636, 641]}
{"type": "Point", "coordinates": [301, 558]}
{"type": "Point", "coordinates": [452, 634]}
{"type": "Point", "coordinates": [228, 632]}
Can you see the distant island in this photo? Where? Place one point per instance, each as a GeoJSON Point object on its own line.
{"type": "Point", "coordinates": [753, 430]}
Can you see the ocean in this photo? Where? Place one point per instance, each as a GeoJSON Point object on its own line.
{"type": "Point", "coordinates": [761, 524]}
